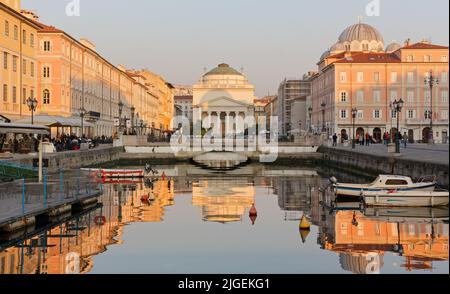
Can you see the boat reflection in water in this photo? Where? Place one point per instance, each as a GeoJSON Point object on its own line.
{"type": "Point", "coordinates": [361, 238]}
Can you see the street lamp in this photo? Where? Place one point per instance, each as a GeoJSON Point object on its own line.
{"type": "Point", "coordinates": [431, 81]}
{"type": "Point", "coordinates": [120, 115]}
{"type": "Point", "coordinates": [354, 113]}
{"type": "Point", "coordinates": [397, 105]}
{"type": "Point", "coordinates": [310, 111]}
{"type": "Point", "coordinates": [32, 105]}
{"type": "Point", "coordinates": [82, 114]}
{"type": "Point", "coordinates": [323, 116]}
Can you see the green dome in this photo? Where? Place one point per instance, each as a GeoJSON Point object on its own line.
{"type": "Point", "coordinates": [223, 69]}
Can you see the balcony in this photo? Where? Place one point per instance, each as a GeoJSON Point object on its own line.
{"type": "Point", "coordinates": [421, 122]}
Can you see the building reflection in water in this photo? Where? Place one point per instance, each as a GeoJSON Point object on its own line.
{"type": "Point", "coordinates": [69, 247]}
{"type": "Point", "coordinates": [223, 200]}
{"type": "Point", "coordinates": [362, 239]}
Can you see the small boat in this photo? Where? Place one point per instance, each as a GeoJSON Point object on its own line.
{"type": "Point", "coordinates": [384, 184]}
{"type": "Point", "coordinates": [412, 198]}
{"type": "Point", "coordinates": [117, 173]}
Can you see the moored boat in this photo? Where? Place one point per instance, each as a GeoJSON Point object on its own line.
{"type": "Point", "coordinates": [384, 184]}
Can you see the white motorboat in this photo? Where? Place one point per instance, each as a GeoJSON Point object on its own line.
{"type": "Point", "coordinates": [407, 199]}
{"type": "Point", "coordinates": [383, 185]}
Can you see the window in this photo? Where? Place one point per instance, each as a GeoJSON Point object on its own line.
{"type": "Point", "coordinates": [444, 96]}
{"type": "Point", "coordinates": [360, 77]}
{"type": "Point", "coordinates": [24, 95]}
{"type": "Point", "coordinates": [5, 60]}
{"type": "Point", "coordinates": [47, 46]}
{"type": "Point", "coordinates": [365, 47]}
{"type": "Point", "coordinates": [393, 77]}
{"type": "Point", "coordinates": [444, 58]}
{"type": "Point", "coordinates": [396, 182]}
{"type": "Point", "coordinates": [343, 76]}
{"type": "Point", "coordinates": [410, 77]}
{"type": "Point", "coordinates": [428, 114]}
{"type": "Point", "coordinates": [46, 97]}
{"type": "Point", "coordinates": [5, 93]}
{"type": "Point", "coordinates": [360, 114]}
{"type": "Point", "coordinates": [411, 113]}
{"type": "Point", "coordinates": [444, 114]}
{"type": "Point", "coordinates": [410, 58]}
{"type": "Point", "coordinates": [14, 63]}
{"type": "Point", "coordinates": [444, 77]}
{"type": "Point", "coordinates": [360, 96]}
{"type": "Point", "coordinates": [376, 96]}
{"type": "Point", "coordinates": [426, 58]}
{"type": "Point", "coordinates": [344, 96]}
{"type": "Point", "coordinates": [24, 66]}
{"type": "Point", "coordinates": [46, 72]}
{"type": "Point", "coordinates": [32, 69]}
{"type": "Point", "coordinates": [410, 96]}
{"type": "Point", "coordinates": [393, 114]}
{"type": "Point", "coordinates": [377, 113]}
{"type": "Point", "coordinates": [16, 32]}
{"type": "Point", "coordinates": [32, 40]}
{"type": "Point", "coordinates": [14, 94]}
{"type": "Point", "coordinates": [376, 76]}
{"type": "Point", "coordinates": [343, 113]}
{"type": "Point", "coordinates": [394, 95]}
{"type": "Point", "coordinates": [6, 28]}
{"type": "Point", "coordinates": [24, 37]}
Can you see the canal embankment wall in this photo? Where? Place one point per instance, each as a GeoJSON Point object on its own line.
{"type": "Point", "coordinates": [373, 164]}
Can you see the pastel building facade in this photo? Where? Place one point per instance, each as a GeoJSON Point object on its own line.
{"type": "Point", "coordinates": [357, 72]}
{"type": "Point", "coordinates": [18, 63]}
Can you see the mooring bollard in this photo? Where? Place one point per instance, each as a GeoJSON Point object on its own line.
{"type": "Point", "coordinates": [23, 196]}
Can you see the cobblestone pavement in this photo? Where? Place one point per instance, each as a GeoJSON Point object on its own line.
{"type": "Point", "coordinates": [438, 153]}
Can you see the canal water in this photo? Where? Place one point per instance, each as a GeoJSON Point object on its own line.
{"type": "Point", "coordinates": [191, 221]}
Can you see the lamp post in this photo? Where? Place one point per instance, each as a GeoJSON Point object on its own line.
{"type": "Point", "coordinates": [310, 111]}
{"type": "Point", "coordinates": [82, 114]}
{"type": "Point", "coordinates": [431, 81]}
{"type": "Point", "coordinates": [120, 115]}
{"type": "Point", "coordinates": [354, 113]}
{"type": "Point", "coordinates": [323, 116]}
{"type": "Point", "coordinates": [132, 119]}
{"type": "Point", "coordinates": [398, 105]}
{"type": "Point", "coordinates": [32, 105]}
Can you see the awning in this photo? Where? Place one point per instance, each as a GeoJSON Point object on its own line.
{"type": "Point", "coordinates": [7, 128]}
{"type": "Point", "coordinates": [55, 121]}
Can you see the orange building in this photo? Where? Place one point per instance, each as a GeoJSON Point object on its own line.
{"type": "Point", "coordinates": [358, 72]}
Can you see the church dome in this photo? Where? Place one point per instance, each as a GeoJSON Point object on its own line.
{"type": "Point", "coordinates": [325, 55]}
{"type": "Point", "coordinates": [223, 69]}
{"type": "Point", "coordinates": [360, 32]}
{"type": "Point", "coordinates": [337, 47]}
{"type": "Point", "coordinates": [393, 47]}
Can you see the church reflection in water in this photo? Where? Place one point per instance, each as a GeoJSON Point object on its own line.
{"type": "Point", "coordinates": [360, 238]}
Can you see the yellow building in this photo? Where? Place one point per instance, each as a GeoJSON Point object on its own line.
{"type": "Point", "coordinates": [18, 65]}
{"type": "Point", "coordinates": [163, 91]}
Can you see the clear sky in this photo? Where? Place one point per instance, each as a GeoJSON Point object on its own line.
{"type": "Point", "coordinates": [270, 39]}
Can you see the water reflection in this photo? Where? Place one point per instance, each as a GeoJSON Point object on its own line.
{"type": "Point", "coordinates": [362, 239]}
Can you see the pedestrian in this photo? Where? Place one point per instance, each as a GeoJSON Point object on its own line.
{"type": "Point", "coordinates": [405, 140]}
{"type": "Point", "coordinates": [361, 139]}
{"type": "Point", "coordinates": [335, 138]}
{"type": "Point", "coordinates": [367, 139]}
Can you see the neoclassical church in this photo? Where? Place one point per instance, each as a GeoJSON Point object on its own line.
{"type": "Point", "coordinates": [223, 92]}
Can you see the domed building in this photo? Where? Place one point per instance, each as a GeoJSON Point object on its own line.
{"type": "Point", "coordinates": [359, 37]}
{"type": "Point", "coordinates": [360, 72]}
{"type": "Point", "coordinates": [221, 92]}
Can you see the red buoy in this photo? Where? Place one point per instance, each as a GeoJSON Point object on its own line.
{"type": "Point", "coordinates": [253, 211]}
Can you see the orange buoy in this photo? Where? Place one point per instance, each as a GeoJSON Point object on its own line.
{"type": "Point", "coordinates": [253, 211]}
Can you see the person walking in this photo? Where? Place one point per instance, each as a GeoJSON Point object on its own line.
{"type": "Point", "coordinates": [405, 140]}
{"type": "Point", "coordinates": [335, 138]}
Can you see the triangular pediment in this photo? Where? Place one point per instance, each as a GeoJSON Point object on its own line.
{"type": "Point", "coordinates": [223, 102]}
